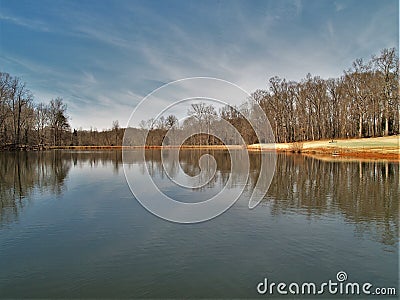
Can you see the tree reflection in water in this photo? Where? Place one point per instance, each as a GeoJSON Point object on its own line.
{"type": "Point", "coordinates": [363, 193]}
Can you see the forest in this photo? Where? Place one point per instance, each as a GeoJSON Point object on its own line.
{"type": "Point", "coordinates": [362, 102]}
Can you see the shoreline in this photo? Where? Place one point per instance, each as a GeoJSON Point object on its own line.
{"type": "Point", "coordinates": [387, 148]}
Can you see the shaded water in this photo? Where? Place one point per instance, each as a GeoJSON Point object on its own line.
{"type": "Point", "coordinates": [70, 227]}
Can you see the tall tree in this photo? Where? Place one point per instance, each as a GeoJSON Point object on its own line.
{"type": "Point", "coordinates": [58, 119]}
{"type": "Point", "coordinates": [387, 64]}
{"type": "Point", "coordinates": [41, 121]}
{"type": "Point", "coordinates": [115, 129]}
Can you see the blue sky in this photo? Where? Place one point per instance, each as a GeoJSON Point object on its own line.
{"type": "Point", "coordinates": [103, 57]}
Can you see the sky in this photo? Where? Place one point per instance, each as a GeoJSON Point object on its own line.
{"type": "Point", "coordinates": [103, 57]}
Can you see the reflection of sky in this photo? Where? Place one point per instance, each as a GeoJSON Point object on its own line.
{"type": "Point", "coordinates": [105, 56]}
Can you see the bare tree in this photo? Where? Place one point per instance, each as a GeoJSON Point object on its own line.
{"type": "Point", "coordinates": [41, 121]}
{"type": "Point", "coordinates": [387, 64]}
{"type": "Point", "coordinates": [204, 114]}
{"type": "Point", "coordinates": [171, 121]}
{"type": "Point", "coordinates": [115, 129]}
{"type": "Point", "coordinates": [58, 119]}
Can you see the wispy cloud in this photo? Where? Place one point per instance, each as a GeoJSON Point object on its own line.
{"type": "Point", "coordinates": [89, 78]}
{"type": "Point", "coordinates": [25, 22]}
{"type": "Point", "coordinates": [104, 59]}
{"type": "Point", "coordinates": [339, 6]}
{"type": "Point", "coordinates": [330, 29]}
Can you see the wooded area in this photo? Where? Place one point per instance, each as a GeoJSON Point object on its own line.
{"type": "Point", "coordinates": [363, 102]}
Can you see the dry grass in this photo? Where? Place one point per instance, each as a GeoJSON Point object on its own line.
{"type": "Point", "coordinates": [381, 147]}
{"type": "Point", "coordinates": [296, 147]}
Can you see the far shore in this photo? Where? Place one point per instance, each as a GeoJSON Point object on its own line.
{"type": "Point", "coordinates": [366, 148]}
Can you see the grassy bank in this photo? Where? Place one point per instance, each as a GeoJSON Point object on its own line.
{"type": "Point", "coordinates": [380, 147]}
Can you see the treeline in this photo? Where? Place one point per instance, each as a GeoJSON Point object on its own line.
{"type": "Point", "coordinates": [363, 102]}
{"type": "Point", "coordinates": [26, 123]}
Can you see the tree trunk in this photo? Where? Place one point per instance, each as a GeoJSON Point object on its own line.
{"type": "Point", "coordinates": [386, 132]}
{"type": "Point", "coordinates": [18, 138]}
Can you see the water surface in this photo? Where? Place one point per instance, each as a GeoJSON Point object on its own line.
{"type": "Point", "coordinates": [70, 227]}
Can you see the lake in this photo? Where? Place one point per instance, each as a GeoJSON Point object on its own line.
{"type": "Point", "coordinates": [70, 227]}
